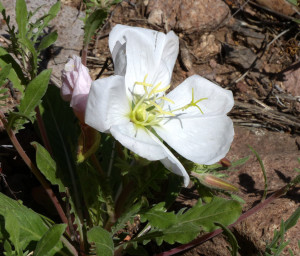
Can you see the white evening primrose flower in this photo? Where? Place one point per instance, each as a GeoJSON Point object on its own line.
{"type": "Point", "coordinates": [134, 106]}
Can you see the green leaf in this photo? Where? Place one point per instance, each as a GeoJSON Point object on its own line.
{"type": "Point", "coordinates": [62, 128]}
{"type": "Point", "coordinates": [4, 73]}
{"type": "Point", "coordinates": [35, 90]}
{"type": "Point", "coordinates": [102, 240]}
{"type": "Point", "coordinates": [7, 248]}
{"type": "Point", "coordinates": [30, 46]}
{"type": "Point", "coordinates": [294, 2]}
{"type": "Point", "coordinates": [1, 7]}
{"type": "Point", "coordinates": [158, 217]}
{"type": "Point", "coordinates": [231, 239]}
{"type": "Point", "coordinates": [263, 171]}
{"type": "Point", "coordinates": [46, 19]}
{"type": "Point", "coordinates": [50, 242]}
{"type": "Point", "coordinates": [239, 162]}
{"type": "Point", "coordinates": [188, 225]}
{"type": "Point", "coordinates": [277, 244]}
{"type": "Point", "coordinates": [52, 13]}
{"type": "Point", "coordinates": [125, 217]}
{"type": "Point", "coordinates": [14, 230]}
{"type": "Point", "coordinates": [93, 22]}
{"type": "Point", "coordinates": [47, 41]}
{"type": "Point", "coordinates": [30, 224]}
{"type": "Point", "coordinates": [219, 210]}
{"type": "Point", "coordinates": [47, 166]}
{"type": "Point", "coordinates": [15, 75]}
{"type": "Point", "coordinates": [21, 17]}
{"type": "Point", "coordinates": [63, 132]}
{"type": "Point", "coordinates": [292, 220]}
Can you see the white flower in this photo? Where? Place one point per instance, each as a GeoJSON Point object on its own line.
{"type": "Point", "coordinates": [133, 105]}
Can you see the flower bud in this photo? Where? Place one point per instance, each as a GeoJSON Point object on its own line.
{"type": "Point", "coordinates": [76, 84]}
{"type": "Point", "coordinates": [214, 182]}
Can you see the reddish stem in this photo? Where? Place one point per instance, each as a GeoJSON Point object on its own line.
{"type": "Point", "coordinates": [43, 130]}
{"type": "Point", "coordinates": [36, 172]}
{"type": "Point", "coordinates": [84, 55]}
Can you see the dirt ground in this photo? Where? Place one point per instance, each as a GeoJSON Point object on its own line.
{"type": "Point", "coordinates": [249, 47]}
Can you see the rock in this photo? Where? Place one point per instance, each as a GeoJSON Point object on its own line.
{"type": "Point", "coordinates": [292, 85]}
{"type": "Point", "coordinates": [208, 47]}
{"type": "Point", "coordinates": [258, 230]}
{"type": "Point", "coordinates": [280, 6]}
{"type": "Point", "coordinates": [156, 17]}
{"type": "Point", "coordinates": [185, 56]}
{"type": "Point", "coordinates": [202, 14]}
{"type": "Point", "coordinates": [292, 81]}
{"type": "Point", "coordinates": [240, 56]}
{"type": "Point", "coordinates": [279, 153]}
{"type": "Point", "coordinates": [68, 26]}
{"type": "Point", "coordinates": [74, 3]}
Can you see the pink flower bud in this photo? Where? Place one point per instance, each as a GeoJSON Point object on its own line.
{"type": "Point", "coordinates": [214, 182]}
{"type": "Point", "coordinates": [76, 84]}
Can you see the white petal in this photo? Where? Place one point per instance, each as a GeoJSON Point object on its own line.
{"type": "Point", "coordinates": [170, 51]}
{"type": "Point", "coordinates": [203, 140]}
{"type": "Point", "coordinates": [219, 101]}
{"type": "Point", "coordinates": [171, 162]}
{"type": "Point", "coordinates": [148, 53]}
{"type": "Point", "coordinates": [119, 58]}
{"type": "Point", "coordinates": [137, 140]}
{"type": "Point", "coordinates": [146, 145]}
{"type": "Point", "coordinates": [107, 103]}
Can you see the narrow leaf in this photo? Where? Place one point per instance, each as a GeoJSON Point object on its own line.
{"type": "Point", "coordinates": [21, 17]}
{"type": "Point", "coordinates": [231, 239]}
{"type": "Point", "coordinates": [47, 41]}
{"type": "Point", "coordinates": [52, 13]}
{"type": "Point", "coordinates": [4, 73]}
{"type": "Point", "coordinates": [15, 75]}
{"type": "Point", "coordinates": [263, 170]}
{"type": "Point", "coordinates": [34, 92]}
{"type": "Point", "coordinates": [47, 18]}
{"type": "Point", "coordinates": [50, 242]}
{"type": "Point", "coordinates": [62, 129]}
{"type": "Point", "coordinates": [102, 240]}
{"type": "Point", "coordinates": [47, 166]}
{"type": "Point", "coordinates": [30, 46]}
{"type": "Point", "coordinates": [93, 22]}
{"type": "Point", "coordinates": [292, 220]}
{"type": "Point", "coordinates": [1, 7]}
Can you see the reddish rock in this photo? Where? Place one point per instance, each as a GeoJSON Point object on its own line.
{"type": "Point", "coordinates": [280, 6]}
{"type": "Point", "coordinates": [174, 13]}
{"type": "Point", "coordinates": [279, 153]}
{"type": "Point", "coordinates": [292, 82]}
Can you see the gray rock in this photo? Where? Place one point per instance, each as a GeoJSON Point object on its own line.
{"type": "Point", "coordinates": [68, 26]}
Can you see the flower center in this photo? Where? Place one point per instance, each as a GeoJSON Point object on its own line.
{"type": "Point", "coordinates": [147, 109]}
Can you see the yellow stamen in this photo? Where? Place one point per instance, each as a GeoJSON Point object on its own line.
{"type": "Point", "coordinates": [166, 99]}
